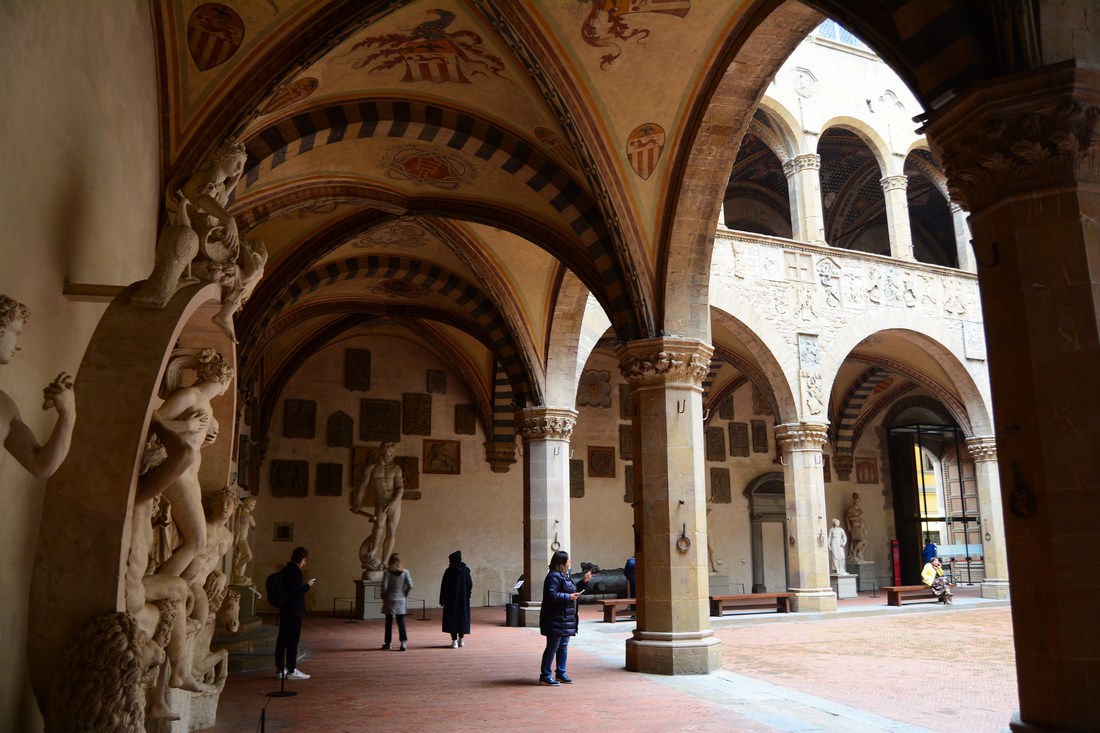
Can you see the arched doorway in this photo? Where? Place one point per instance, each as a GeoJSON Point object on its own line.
{"type": "Point", "coordinates": [768, 523]}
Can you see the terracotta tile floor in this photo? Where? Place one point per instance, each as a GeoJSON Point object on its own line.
{"type": "Point", "coordinates": [866, 668]}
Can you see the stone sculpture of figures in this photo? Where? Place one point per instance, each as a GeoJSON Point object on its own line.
{"type": "Point", "coordinates": [158, 602]}
{"type": "Point", "coordinates": [15, 436]}
{"type": "Point", "coordinates": [202, 237]}
{"type": "Point", "coordinates": [246, 522]}
{"type": "Point", "coordinates": [837, 542]}
{"type": "Point", "coordinates": [385, 481]}
{"type": "Point", "coordinates": [857, 533]}
{"type": "Point", "coordinates": [188, 411]}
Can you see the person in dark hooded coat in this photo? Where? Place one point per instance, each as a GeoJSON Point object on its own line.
{"type": "Point", "coordinates": [454, 598]}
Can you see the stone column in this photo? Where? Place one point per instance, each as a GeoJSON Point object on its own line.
{"type": "Point", "coordinates": [1022, 155]}
{"type": "Point", "coordinates": [673, 634]}
{"type": "Point", "coordinates": [897, 217]}
{"type": "Point", "coordinates": [987, 476]}
{"type": "Point", "coordinates": [807, 547]}
{"type": "Point", "coordinates": [804, 186]}
{"type": "Point", "coordinates": [963, 250]}
{"type": "Point", "coordinates": [545, 432]}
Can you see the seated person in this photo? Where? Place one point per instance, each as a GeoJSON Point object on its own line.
{"type": "Point", "coordinates": [932, 576]}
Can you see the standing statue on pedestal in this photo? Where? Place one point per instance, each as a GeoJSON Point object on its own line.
{"type": "Point", "coordinates": [837, 541]}
{"type": "Point", "coordinates": [15, 436]}
{"type": "Point", "coordinates": [246, 522]}
{"type": "Point", "coordinates": [188, 411]}
{"type": "Point", "coordinates": [385, 481]}
{"type": "Point", "coordinates": [857, 533]}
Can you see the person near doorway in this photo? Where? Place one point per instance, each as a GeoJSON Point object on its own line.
{"type": "Point", "coordinates": [932, 576]}
{"type": "Point", "coordinates": [930, 551]}
{"type": "Point", "coordinates": [396, 584]}
{"type": "Point", "coordinates": [558, 617]}
{"type": "Point", "coordinates": [290, 615]}
{"type": "Point", "coordinates": [629, 572]}
{"type": "Point", "coordinates": [454, 598]}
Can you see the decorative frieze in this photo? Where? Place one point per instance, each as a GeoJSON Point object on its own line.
{"type": "Point", "coordinates": [546, 423]}
{"type": "Point", "coordinates": [664, 361]}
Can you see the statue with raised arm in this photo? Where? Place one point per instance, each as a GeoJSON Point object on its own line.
{"type": "Point", "coordinates": [386, 483]}
{"type": "Point", "coordinates": [188, 411]}
{"type": "Point", "coordinates": [41, 460]}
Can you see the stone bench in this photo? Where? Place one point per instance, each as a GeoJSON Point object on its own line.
{"type": "Point", "coordinates": [899, 594]}
{"type": "Point", "coordinates": [616, 607]}
{"type": "Point", "coordinates": [720, 604]}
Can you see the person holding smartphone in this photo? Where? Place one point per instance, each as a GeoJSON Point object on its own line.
{"type": "Point", "coordinates": [558, 618]}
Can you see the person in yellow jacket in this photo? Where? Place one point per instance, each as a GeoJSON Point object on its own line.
{"type": "Point", "coordinates": [932, 576]}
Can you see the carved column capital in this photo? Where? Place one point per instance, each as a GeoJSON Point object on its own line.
{"type": "Point", "coordinates": [804, 436]}
{"type": "Point", "coordinates": [809, 161]}
{"type": "Point", "coordinates": [500, 456]}
{"type": "Point", "coordinates": [894, 183]}
{"type": "Point", "coordinates": [542, 423]}
{"type": "Point", "coordinates": [664, 361]}
{"type": "Point", "coordinates": [982, 449]}
{"type": "Point", "coordinates": [1021, 134]}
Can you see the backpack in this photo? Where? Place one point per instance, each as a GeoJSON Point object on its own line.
{"type": "Point", "coordinates": [276, 589]}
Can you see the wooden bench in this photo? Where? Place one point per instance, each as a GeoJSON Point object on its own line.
{"type": "Point", "coordinates": [720, 604]}
{"type": "Point", "coordinates": [898, 594]}
{"type": "Point", "coordinates": [616, 607]}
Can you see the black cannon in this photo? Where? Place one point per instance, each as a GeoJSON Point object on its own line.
{"type": "Point", "coordinates": [605, 583]}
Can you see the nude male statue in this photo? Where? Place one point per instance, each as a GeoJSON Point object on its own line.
{"type": "Point", "coordinates": [387, 482]}
{"type": "Point", "coordinates": [17, 438]}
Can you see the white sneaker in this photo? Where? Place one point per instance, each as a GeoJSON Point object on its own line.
{"type": "Point", "coordinates": [460, 641]}
{"type": "Point", "coordinates": [297, 675]}
{"type": "Point", "coordinates": [280, 673]}
{"type": "Point", "coordinates": [454, 644]}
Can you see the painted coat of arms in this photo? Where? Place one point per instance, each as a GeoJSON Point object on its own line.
{"type": "Point", "coordinates": [606, 23]}
{"type": "Point", "coordinates": [644, 147]}
{"type": "Point", "coordinates": [430, 52]}
{"type": "Point", "coordinates": [214, 33]}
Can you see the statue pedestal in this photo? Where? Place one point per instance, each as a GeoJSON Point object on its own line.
{"type": "Point", "coordinates": [844, 586]}
{"type": "Point", "coordinates": [368, 599]}
{"type": "Point", "coordinates": [864, 570]}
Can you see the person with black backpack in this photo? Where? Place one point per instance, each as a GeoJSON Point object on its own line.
{"type": "Point", "coordinates": [290, 597]}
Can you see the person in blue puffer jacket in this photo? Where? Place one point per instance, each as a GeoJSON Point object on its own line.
{"type": "Point", "coordinates": [558, 617]}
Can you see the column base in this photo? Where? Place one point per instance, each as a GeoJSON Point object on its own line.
{"type": "Point", "coordinates": [1018, 726]}
{"type": "Point", "coordinates": [814, 600]}
{"type": "Point", "coordinates": [994, 588]}
{"type": "Point", "coordinates": [529, 614]}
{"type": "Point", "coordinates": [674, 652]}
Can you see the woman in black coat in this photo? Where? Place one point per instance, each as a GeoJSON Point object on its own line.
{"type": "Point", "coordinates": [454, 597]}
{"type": "Point", "coordinates": [558, 617]}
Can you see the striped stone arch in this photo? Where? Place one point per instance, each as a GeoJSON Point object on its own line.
{"type": "Point", "coordinates": [504, 408]}
{"type": "Point", "coordinates": [867, 416]}
{"type": "Point", "coordinates": [749, 373]}
{"type": "Point", "coordinates": [489, 325]}
{"type": "Point", "coordinates": [843, 427]}
{"type": "Point", "coordinates": [616, 276]}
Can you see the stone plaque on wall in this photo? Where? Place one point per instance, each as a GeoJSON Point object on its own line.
{"type": "Point", "coordinates": [759, 436]}
{"type": "Point", "coordinates": [716, 444]}
{"type": "Point", "coordinates": [379, 420]}
{"type": "Point", "coordinates": [601, 461]}
{"type": "Point", "coordinates": [410, 468]}
{"type": "Point", "coordinates": [330, 479]}
{"type": "Point", "coordinates": [465, 420]}
{"type": "Point", "coordinates": [725, 408]}
{"type": "Point", "coordinates": [739, 439]}
{"type": "Point", "coordinates": [866, 471]}
{"type": "Point", "coordinates": [720, 486]}
{"type": "Point", "coordinates": [417, 414]}
{"type": "Point", "coordinates": [576, 478]}
{"type": "Point", "coordinates": [357, 370]}
{"type": "Point", "coordinates": [341, 430]}
{"type": "Point", "coordinates": [626, 442]}
{"type": "Point", "coordinates": [437, 381]}
{"type": "Point", "coordinates": [628, 473]}
{"type": "Point", "coordinates": [299, 419]}
{"type": "Point", "coordinates": [626, 404]}
{"type": "Point", "coordinates": [290, 478]}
